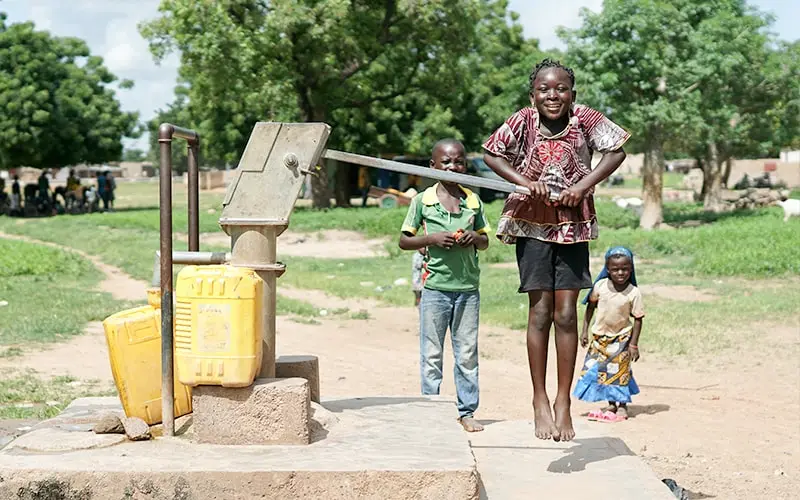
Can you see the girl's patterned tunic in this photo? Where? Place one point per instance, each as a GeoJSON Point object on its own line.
{"type": "Point", "coordinates": [559, 161]}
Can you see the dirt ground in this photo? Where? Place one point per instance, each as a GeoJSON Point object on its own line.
{"type": "Point", "coordinates": [725, 425]}
{"type": "Point", "coordinates": [331, 244]}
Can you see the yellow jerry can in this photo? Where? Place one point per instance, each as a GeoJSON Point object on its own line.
{"type": "Point", "coordinates": [134, 349]}
{"type": "Point", "coordinates": [218, 325]}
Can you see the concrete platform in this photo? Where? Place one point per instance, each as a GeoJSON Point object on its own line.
{"type": "Point", "coordinates": [381, 448]}
{"type": "Point", "coordinates": [513, 464]}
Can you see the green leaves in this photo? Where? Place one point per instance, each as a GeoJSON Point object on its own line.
{"type": "Point", "coordinates": [58, 107]}
{"type": "Point", "coordinates": [389, 76]}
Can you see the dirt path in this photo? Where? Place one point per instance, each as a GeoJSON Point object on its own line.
{"type": "Point", "coordinates": [327, 244]}
{"type": "Point", "coordinates": [723, 425]}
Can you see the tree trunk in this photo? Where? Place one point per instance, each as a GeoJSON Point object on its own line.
{"type": "Point", "coordinates": [342, 184]}
{"type": "Point", "coordinates": [713, 180]}
{"type": "Point", "coordinates": [320, 192]}
{"type": "Point", "coordinates": [653, 181]}
{"type": "Point", "coordinates": [702, 164]}
{"type": "Point", "coordinates": [726, 175]}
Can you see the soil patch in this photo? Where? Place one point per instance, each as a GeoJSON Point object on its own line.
{"type": "Point", "coordinates": [328, 244]}
{"type": "Point", "coordinates": [684, 293]}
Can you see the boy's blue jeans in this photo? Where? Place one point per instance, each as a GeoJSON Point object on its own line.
{"type": "Point", "coordinates": [459, 311]}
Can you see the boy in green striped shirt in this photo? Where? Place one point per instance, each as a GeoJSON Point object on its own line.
{"type": "Point", "coordinates": [450, 222]}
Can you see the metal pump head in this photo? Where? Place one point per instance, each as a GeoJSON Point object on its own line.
{"type": "Point", "coordinates": [271, 172]}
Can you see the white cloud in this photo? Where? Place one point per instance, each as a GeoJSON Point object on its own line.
{"type": "Point", "coordinates": [44, 16]}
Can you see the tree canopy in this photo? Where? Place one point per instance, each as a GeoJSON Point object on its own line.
{"type": "Point", "coordinates": [702, 76]}
{"type": "Point", "coordinates": [58, 101]}
{"type": "Point", "coordinates": [389, 76]}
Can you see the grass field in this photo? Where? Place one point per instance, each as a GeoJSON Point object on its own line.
{"type": "Point", "coordinates": [725, 254]}
{"type": "Point", "coordinates": [49, 295]}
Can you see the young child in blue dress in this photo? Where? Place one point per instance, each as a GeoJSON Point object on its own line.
{"type": "Point", "coordinates": [607, 374]}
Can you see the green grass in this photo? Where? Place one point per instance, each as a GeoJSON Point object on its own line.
{"type": "Point", "coordinates": [747, 245]}
{"type": "Point", "coordinates": [25, 259]}
{"type": "Point", "coordinates": [672, 327]}
{"type": "Point", "coordinates": [48, 293]}
{"type": "Point", "coordinates": [25, 395]}
{"type": "Point", "coordinates": [685, 328]}
{"type": "Point", "coordinates": [724, 254]}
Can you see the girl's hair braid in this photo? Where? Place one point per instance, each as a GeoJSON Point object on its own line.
{"type": "Point", "coordinates": [549, 63]}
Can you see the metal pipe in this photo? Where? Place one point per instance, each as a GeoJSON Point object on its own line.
{"type": "Point", "coordinates": [439, 175]}
{"type": "Point", "coordinates": [182, 133]}
{"type": "Point", "coordinates": [254, 247]}
{"type": "Point", "coordinates": [199, 258]}
{"type": "Point", "coordinates": [194, 194]}
{"type": "Point", "coordinates": [166, 131]}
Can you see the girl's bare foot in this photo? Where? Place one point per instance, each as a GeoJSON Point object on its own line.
{"type": "Point", "coordinates": [612, 407]}
{"type": "Point", "coordinates": [563, 420]}
{"type": "Point", "coordinates": [470, 424]}
{"type": "Point", "coordinates": [622, 411]}
{"type": "Point", "coordinates": [545, 428]}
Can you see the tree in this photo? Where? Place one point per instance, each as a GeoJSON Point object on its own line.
{"type": "Point", "coordinates": [737, 89]}
{"type": "Point", "coordinates": [361, 66]}
{"type": "Point", "coordinates": [783, 120]}
{"type": "Point", "coordinates": [635, 55]}
{"type": "Point", "coordinates": [59, 105]}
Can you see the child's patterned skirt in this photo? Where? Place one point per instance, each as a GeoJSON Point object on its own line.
{"type": "Point", "coordinates": [606, 373]}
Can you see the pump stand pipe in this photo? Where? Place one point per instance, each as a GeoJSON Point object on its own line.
{"type": "Point", "coordinates": [166, 132]}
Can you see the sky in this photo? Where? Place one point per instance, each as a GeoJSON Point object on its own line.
{"type": "Point", "coordinates": [109, 27]}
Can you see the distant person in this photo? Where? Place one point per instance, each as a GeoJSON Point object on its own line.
{"type": "Point", "coordinates": [44, 187]}
{"type": "Point", "coordinates": [73, 190]}
{"type": "Point", "coordinates": [3, 195]}
{"type": "Point", "coordinates": [449, 221]}
{"type": "Point", "coordinates": [111, 187]}
{"type": "Point", "coordinates": [614, 344]}
{"type": "Point", "coordinates": [16, 197]}
{"type": "Point", "coordinates": [363, 184]}
{"type": "Point", "coordinates": [548, 148]}
{"type": "Point", "coordinates": [102, 186]}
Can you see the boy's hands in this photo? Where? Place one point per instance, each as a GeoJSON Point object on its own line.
{"type": "Point", "coordinates": [584, 338]}
{"type": "Point", "coordinates": [443, 239]}
{"type": "Point", "coordinates": [467, 238]}
{"type": "Point", "coordinates": [633, 351]}
{"type": "Point", "coordinates": [446, 239]}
